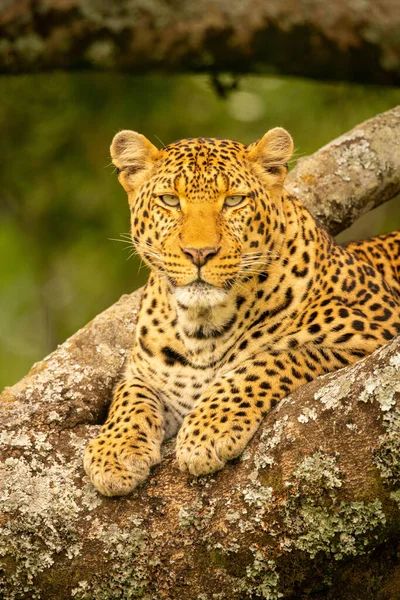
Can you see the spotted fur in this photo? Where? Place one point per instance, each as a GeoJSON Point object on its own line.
{"type": "Point", "coordinates": [247, 300]}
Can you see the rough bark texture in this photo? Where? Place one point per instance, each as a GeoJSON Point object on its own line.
{"type": "Point", "coordinates": [350, 40]}
{"type": "Point", "coordinates": [311, 510]}
{"type": "Point", "coordinates": [352, 174]}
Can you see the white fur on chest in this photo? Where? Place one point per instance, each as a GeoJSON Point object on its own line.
{"type": "Point", "coordinates": [203, 312]}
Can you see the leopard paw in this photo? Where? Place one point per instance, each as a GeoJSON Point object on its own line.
{"type": "Point", "coordinates": [207, 451]}
{"type": "Point", "coordinates": [116, 471]}
{"type": "Point", "coordinates": [198, 459]}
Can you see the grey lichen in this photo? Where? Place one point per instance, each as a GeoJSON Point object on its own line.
{"type": "Point", "coordinates": [269, 439]}
{"type": "Point", "coordinates": [307, 414]}
{"type": "Point", "coordinates": [232, 515]}
{"type": "Point", "coordinates": [128, 577]}
{"type": "Point", "coordinates": [261, 578]}
{"type": "Point", "coordinates": [198, 513]}
{"type": "Point", "coordinates": [332, 394]}
{"type": "Point", "coordinates": [43, 502]}
{"type": "Point", "coordinates": [387, 456]}
{"type": "Point", "coordinates": [316, 521]}
{"type": "Point", "coordinates": [395, 496]}
{"type": "Point", "coordinates": [354, 153]}
{"type": "Point", "coordinates": [255, 494]}
{"type": "Point", "coordinates": [318, 473]}
{"type": "Point", "coordinates": [40, 495]}
{"type": "Point", "coordinates": [385, 386]}
{"type": "Point", "coordinates": [343, 530]}
{"type": "Point", "coordinates": [190, 515]}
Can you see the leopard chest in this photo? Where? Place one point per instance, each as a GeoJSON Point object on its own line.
{"type": "Point", "coordinates": [178, 382]}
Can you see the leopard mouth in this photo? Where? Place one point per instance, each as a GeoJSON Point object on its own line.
{"type": "Point", "coordinates": [199, 293]}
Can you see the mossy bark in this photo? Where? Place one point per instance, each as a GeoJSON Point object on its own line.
{"type": "Point", "coordinates": [353, 41]}
{"type": "Point", "coordinates": [311, 510]}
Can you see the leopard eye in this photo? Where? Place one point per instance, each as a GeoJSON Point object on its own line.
{"type": "Point", "coordinates": [232, 201]}
{"type": "Point", "coordinates": [170, 200]}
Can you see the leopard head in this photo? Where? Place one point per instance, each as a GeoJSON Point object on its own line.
{"type": "Point", "coordinates": [206, 213]}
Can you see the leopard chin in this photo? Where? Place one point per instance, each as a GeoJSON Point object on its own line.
{"type": "Point", "coordinates": [200, 295]}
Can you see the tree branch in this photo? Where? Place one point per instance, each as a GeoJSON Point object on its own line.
{"type": "Point", "coordinates": [349, 41]}
{"type": "Point", "coordinates": [316, 492]}
{"type": "Point", "coordinates": [351, 175]}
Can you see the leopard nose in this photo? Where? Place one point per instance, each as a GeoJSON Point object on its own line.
{"type": "Point", "coordinates": [199, 256]}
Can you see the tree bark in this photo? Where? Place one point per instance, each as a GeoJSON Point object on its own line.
{"type": "Point", "coordinates": [311, 510]}
{"type": "Point", "coordinates": [352, 41]}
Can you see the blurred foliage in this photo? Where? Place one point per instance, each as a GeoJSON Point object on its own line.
{"type": "Point", "coordinates": [60, 203]}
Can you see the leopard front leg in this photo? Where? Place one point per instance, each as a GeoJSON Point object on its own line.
{"type": "Point", "coordinates": [129, 441]}
{"type": "Point", "coordinates": [230, 411]}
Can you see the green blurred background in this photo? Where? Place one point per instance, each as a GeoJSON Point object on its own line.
{"type": "Point", "coordinates": [60, 203]}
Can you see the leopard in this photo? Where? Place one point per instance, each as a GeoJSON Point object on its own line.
{"type": "Point", "coordinates": [248, 298]}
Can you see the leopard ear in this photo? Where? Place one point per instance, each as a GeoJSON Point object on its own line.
{"type": "Point", "coordinates": [273, 151]}
{"type": "Point", "coordinates": [133, 155]}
